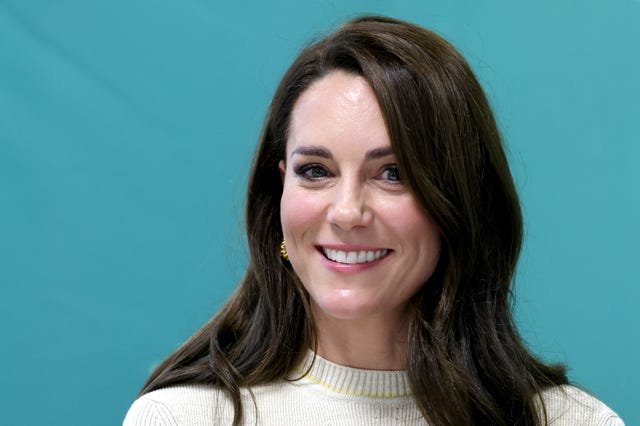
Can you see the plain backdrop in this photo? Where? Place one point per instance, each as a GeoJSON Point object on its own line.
{"type": "Point", "coordinates": [126, 134]}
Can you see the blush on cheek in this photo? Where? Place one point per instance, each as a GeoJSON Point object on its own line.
{"type": "Point", "coordinates": [299, 211]}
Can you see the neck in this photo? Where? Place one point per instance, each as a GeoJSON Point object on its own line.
{"type": "Point", "coordinates": [372, 343]}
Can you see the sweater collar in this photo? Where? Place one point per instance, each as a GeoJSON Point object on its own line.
{"type": "Point", "coordinates": [353, 381]}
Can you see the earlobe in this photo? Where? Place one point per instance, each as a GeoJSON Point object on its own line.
{"type": "Point", "coordinates": [283, 168]}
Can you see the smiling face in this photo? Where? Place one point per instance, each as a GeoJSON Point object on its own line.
{"type": "Point", "coordinates": [356, 237]}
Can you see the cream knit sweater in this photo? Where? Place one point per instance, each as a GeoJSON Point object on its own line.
{"type": "Point", "coordinates": [331, 394]}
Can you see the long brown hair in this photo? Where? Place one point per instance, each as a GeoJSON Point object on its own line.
{"type": "Point", "coordinates": [465, 360]}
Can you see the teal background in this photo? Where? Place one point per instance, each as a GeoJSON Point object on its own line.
{"type": "Point", "coordinates": [126, 131]}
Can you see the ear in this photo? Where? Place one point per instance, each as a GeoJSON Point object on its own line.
{"type": "Point", "coordinates": [283, 168]}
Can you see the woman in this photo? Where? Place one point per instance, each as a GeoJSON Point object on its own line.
{"type": "Point", "coordinates": [384, 229]}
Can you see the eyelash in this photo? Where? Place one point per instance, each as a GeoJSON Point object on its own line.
{"type": "Point", "coordinates": [305, 171]}
{"type": "Point", "coordinates": [394, 168]}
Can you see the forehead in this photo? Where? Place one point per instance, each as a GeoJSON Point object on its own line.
{"type": "Point", "coordinates": [338, 91]}
{"type": "Point", "coordinates": [339, 108]}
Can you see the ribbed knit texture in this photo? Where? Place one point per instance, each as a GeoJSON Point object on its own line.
{"type": "Point", "coordinates": [324, 393]}
{"type": "Point", "coordinates": [338, 379]}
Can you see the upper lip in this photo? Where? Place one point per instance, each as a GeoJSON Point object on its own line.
{"type": "Point", "coordinates": [351, 247]}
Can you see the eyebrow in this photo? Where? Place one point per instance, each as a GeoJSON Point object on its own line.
{"type": "Point", "coordinates": [318, 151]}
{"type": "Point", "coordinates": [312, 151]}
{"type": "Point", "coordinates": [377, 153]}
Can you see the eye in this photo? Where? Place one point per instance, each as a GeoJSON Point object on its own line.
{"type": "Point", "coordinates": [311, 171]}
{"type": "Point", "coordinates": [391, 173]}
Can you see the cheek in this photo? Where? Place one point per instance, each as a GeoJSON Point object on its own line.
{"type": "Point", "coordinates": [416, 223]}
{"type": "Point", "coordinates": [299, 212]}
{"type": "Point", "coordinates": [429, 244]}
{"type": "Point", "coordinates": [415, 228]}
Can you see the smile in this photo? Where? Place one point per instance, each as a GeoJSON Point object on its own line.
{"type": "Point", "coordinates": [353, 257]}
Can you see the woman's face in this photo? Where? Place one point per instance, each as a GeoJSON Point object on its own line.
{"type": "Point", "coordinates": [355, 235]}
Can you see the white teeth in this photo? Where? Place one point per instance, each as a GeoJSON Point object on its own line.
{"type": "Point", "coordinates": [352, 257]}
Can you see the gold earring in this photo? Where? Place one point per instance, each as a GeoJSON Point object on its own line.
{"type": "Point", "coordinates": [283, 251]}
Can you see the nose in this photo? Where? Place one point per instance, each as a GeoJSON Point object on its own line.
{"type": "Point", "coordinates": [349, 208]}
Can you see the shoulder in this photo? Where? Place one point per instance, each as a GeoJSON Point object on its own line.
{"type": "Point", "coordinates": [180, 405]}
{"type": "Point", "coordinates": [568, 405]}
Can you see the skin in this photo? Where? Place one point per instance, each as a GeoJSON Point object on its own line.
{"type": "Point", "coordinates": [342, 191]}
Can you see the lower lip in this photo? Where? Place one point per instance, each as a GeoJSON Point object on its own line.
{"type": "Point", "coordinates": [350, 267]}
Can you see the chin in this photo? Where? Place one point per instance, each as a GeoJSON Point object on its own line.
{"type": "Point", "coordinates": [345, 309]}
